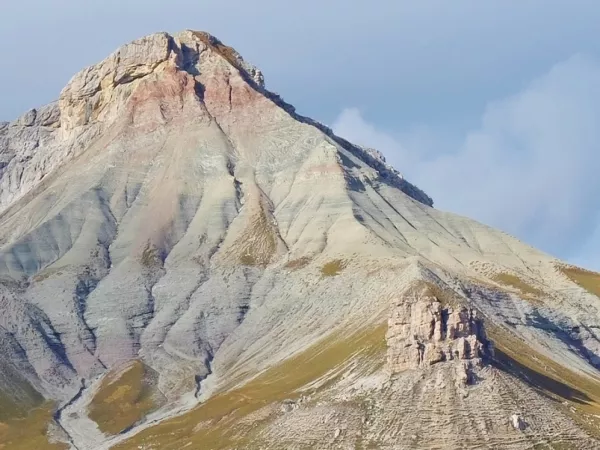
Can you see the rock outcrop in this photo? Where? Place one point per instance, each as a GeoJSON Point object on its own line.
{"type": "Point", "coordinates": [422, 332]}
{"type": "Point", "coordinates": [517, 422]}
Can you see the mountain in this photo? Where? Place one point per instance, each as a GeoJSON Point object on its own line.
{"type": "Point", "coordinates": [186, 262]}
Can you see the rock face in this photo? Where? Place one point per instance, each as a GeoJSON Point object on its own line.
{"type": "Point", "coordinates": [421, 332]}
{"type": "Point", "coordinates": [166, 175]}
{"type": "Point", "coordinates": [169, 209]}
{"type": "Point", "coordinates": [517, 422]}
{"type": "Point", "coordinates": [22, 164]}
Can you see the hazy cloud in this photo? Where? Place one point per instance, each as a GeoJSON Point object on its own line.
{"type": "Point", "coordinates": [530, 167]}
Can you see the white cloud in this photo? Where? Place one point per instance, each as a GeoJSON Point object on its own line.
{"type": "Point", "coordinates": [531, 168]}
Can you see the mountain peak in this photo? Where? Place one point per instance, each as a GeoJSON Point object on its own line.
{"type": "Point", "coordinates": [229, 53]}
{"type": "Point", "coordinates": [84, 98]}
{"type": "Point", "coordinates": [187, 77]}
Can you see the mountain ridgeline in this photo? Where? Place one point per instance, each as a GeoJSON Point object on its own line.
{"type": "Point", "coordinates": [186, 262]}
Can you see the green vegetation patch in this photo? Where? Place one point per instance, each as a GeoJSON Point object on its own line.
{"type": "Point", "coordinates": [587, 279]}
{"type": "Point", "coordinates": [517, 283]}
{"type": "Point", "coordinates": [333, 268]}
{"type": "Point", "coordinates": [17, 396]}
{"type": "Point", "coordinates": [124, 398]}
{"type": "Point", "coordinates": [216, 423]}
{"type": "Point", "coordinates": [549, 377]}
{"type": "Point", "coordinates": [29, 432]}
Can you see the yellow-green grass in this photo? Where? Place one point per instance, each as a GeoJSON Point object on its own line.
{"type": "Point", "coordinates": [123, 399]}
{"type": "Point", "coordinates": [17, 396]}
{"type": "Point", "coordinates": [550, 378]}
{"type": "Point", "coordinates": [555, 446]}
{"type": "Point", "coordinates": [333, 268]}
{"type": "Point", "coordinates": [29, 432]}
{"type": "Point", "coordinates": [517, 283]}
{"type": "Point", "coordinates": [216, 423]}
{"type": "Point", "coordinates": [587, 279]}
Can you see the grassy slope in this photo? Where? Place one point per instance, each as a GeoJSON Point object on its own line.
{"type": "Point", "coordinates": [123, 399]}
{"type": "Point", "coordinates": [17, 396]}
{"type": "Point", "coordinates": [588, 280]}
{"type": "Point", "coordinates": [518, 283]}
{"type": "Point", "coordinates": [24, 417]}
{"type": "Point", "coordinates": [569, 388]}
{"type": "Point", "coordinates": [213, 424]}
{"type": "Point", "coordinates": [29, 432]}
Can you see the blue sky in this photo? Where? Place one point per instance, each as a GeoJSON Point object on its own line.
{"type": "Point", "coordinates": [490, 106]}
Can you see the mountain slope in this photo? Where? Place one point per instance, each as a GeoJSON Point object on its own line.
{"type": "Point", "coordinates": [174, 233]}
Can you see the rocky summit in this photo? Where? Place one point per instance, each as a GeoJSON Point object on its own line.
{"type": "Point", "coordinates": [186, 262]}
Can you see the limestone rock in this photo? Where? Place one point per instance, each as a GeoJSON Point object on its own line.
{"type": "Point", "coordinates": [421, 332]}
{"type": "Point", "coordinates": [517, 422]}
{"type": "Point", "coordinates": [27, 119]}
{"type": "Point", "coordinates": [289, 406]}
{"type": "Point", "coordinates": [92, 94]}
